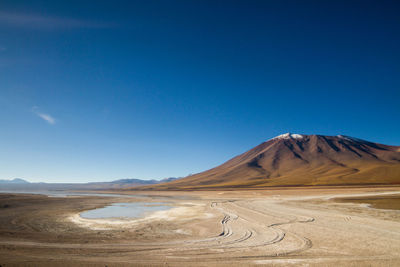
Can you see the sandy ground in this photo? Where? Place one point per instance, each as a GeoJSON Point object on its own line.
{"type": "Point", "coordinates": [279, 227]}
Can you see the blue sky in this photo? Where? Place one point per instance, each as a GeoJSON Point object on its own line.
{"type": "Point", "coordinates": [103, 90]}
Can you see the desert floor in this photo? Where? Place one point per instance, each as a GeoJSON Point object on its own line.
{"type": "Point", "coordinates": [276, 227]}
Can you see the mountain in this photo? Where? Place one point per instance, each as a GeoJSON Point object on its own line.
{"type": "Point", "coordinates": [20, 184]}
{"type": "Point", "coordinates": [166, 180]}
{"type": "Point", "coordinates": [14, 181]}
{"type": "Point", "coordinates": [133, 181]}
{"type": "Point", "coordinates": [125, 183]}
{"type": "Point", "coordinates": [296, 160]}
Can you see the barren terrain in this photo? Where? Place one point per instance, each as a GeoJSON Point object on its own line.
{"type": "Point", "coordinates": [277, 227]}
{"type": "Point", "coordinates": [299, 160]}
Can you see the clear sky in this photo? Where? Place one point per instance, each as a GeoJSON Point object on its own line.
{"type": "Point", "coordinates": [104, 90]}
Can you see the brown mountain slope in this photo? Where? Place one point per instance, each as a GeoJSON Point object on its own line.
{"type": "Point", "coordinates": [292, 159]}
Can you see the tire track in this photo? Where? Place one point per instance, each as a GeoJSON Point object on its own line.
{"type": "Point", "coordinates": [243, 230]}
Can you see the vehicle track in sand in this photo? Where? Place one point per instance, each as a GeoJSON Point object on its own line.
{"type": "Point", "coordinates": [244, 230]}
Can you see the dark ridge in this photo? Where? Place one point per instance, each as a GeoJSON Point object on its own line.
{"type": "Point", "coordinates": [297, 155]}
{"type": "Point", "coordinates": [300, 145]}
{"type": "Point", "coordinates": [291, 148]}
{"type": "Point", "coordinates": [364, 142]}
{"type": "Point", "coordinates": [375, 146]}
{"type": "Point", "coordinates": [275, 161]}
{"type": "Point", "coordinates": [319, 149]}
{"type": "Point", "coordinates": [254, 163]}
{"type": "Point", "coordinates": [337, 163]}
{"type": "Point", "coordinates": [364, 149]}
{"type": "Point", "coordinates": [331, 144]}
{"type": "Point", "coordinates": [289, 145]}
{"type": "Point", "coordinates": [350, 149]}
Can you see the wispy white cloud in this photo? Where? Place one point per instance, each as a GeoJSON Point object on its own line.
{"type": "Point", "coordinates": [36, 21]}
{"type": "Point", "coordinates": [47, 117]}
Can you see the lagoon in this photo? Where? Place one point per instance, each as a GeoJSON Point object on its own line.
{"type": "Point", "coordinates": [125, 210]}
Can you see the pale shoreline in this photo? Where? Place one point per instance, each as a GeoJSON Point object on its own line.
{"type": "Point", "coordinates": [186, 211]}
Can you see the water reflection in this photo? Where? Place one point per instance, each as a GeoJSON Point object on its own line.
{"type": "Point", "coordinates": [125, 210]}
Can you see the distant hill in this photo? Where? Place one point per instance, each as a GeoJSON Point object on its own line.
{"type": "Point", "coordinates": [297, 160]}
{"type": "Point", "coordinates": [19, 184]}
{"type": "Point", "coordinates": [14, 181]}
{"type": "Point", "coordinates": [166, 180]}
{"type": "Point", "coordinates": [127, 183]}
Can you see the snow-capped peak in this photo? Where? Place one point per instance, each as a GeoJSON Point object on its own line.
{"type": "Point", "coordinates": [289, 136]}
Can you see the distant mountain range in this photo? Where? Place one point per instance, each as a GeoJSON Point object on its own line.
{"type": "Point", "coordinates": [122, 183]}
{"type": "Point", "coordinates": [126, 183]}
{"type": "Point", "coordinates": [14, 181]}
{"type": "Point", "coordinates": [298, 160]}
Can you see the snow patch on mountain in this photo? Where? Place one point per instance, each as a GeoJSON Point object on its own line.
{"type": "Point", "coordinates": [289, 136]}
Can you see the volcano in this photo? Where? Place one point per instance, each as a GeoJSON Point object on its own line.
{"type": "Point", "coordinates": [301, 160]}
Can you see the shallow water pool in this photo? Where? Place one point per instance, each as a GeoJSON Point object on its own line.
{"type": "Point", "coordinates": [124, 210]}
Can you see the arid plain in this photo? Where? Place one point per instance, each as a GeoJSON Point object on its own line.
{"type": "Point", "coordinates": [278, 227]}
{"type": "Point", "coordinates": [199, 133]}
